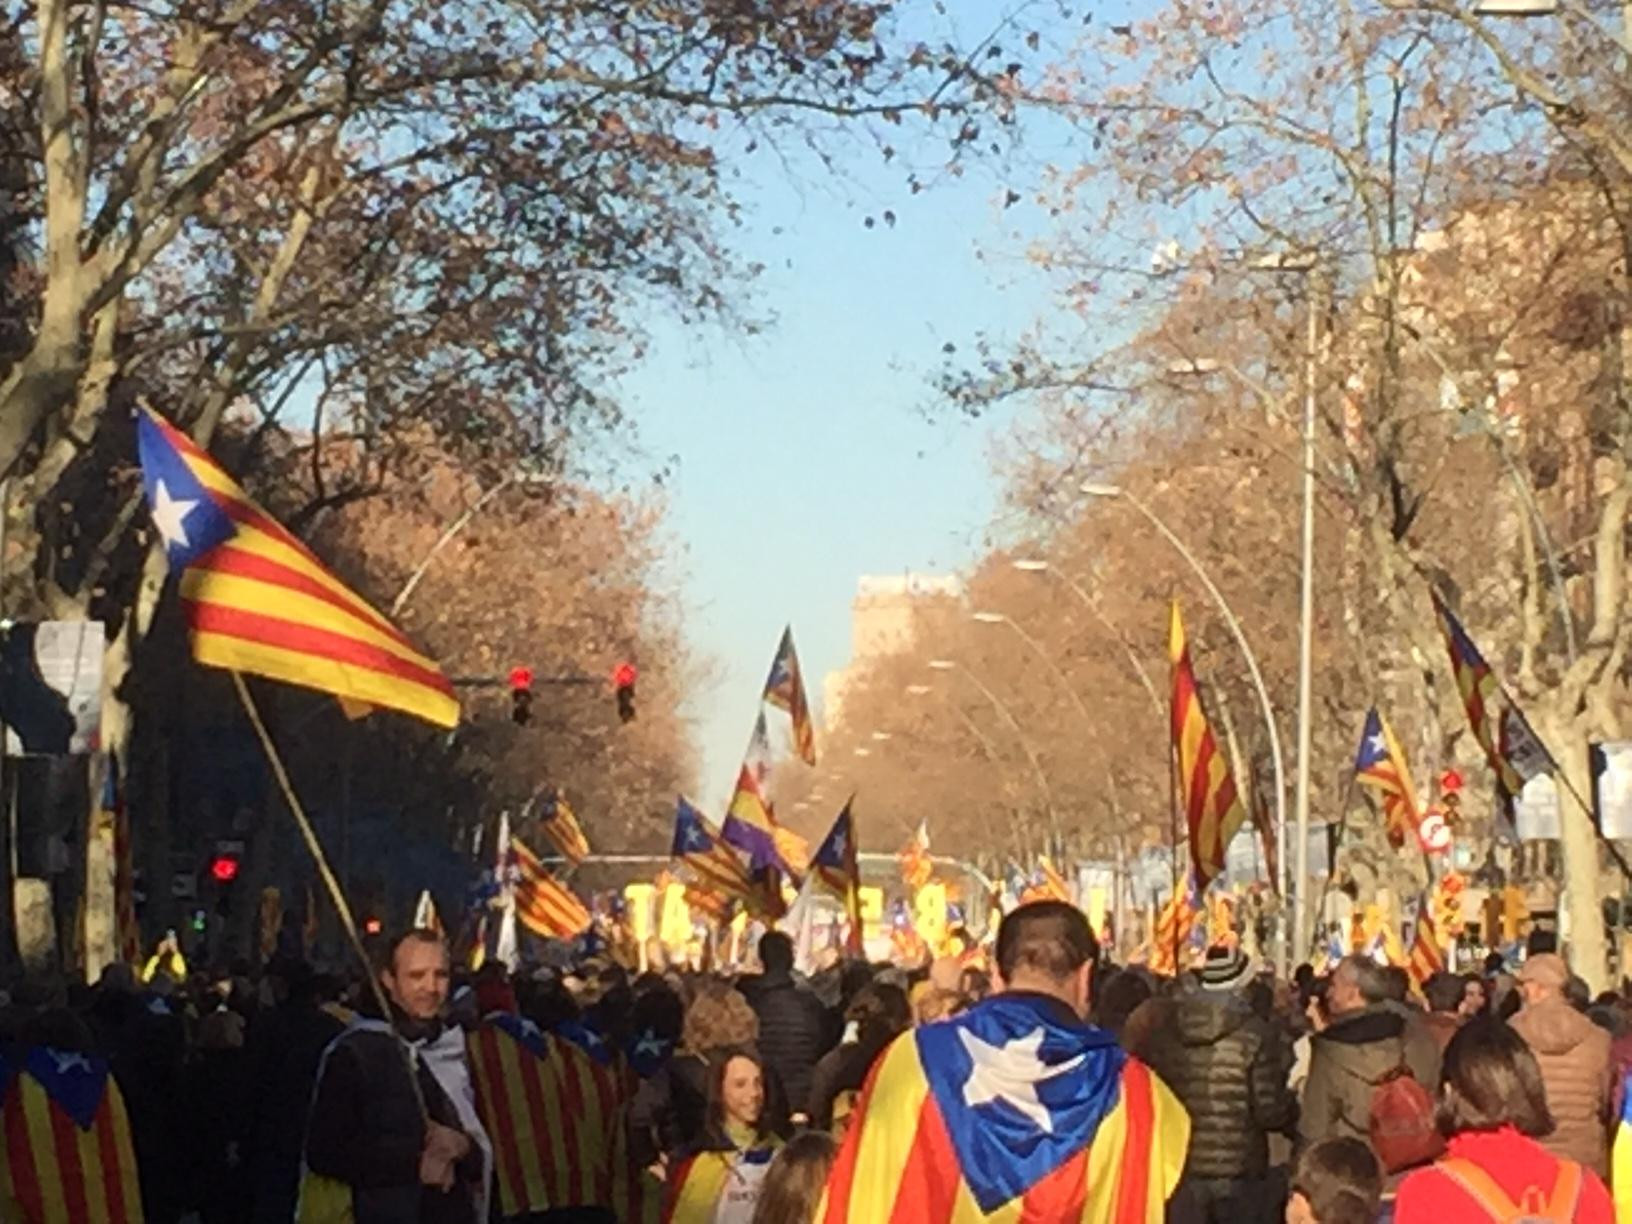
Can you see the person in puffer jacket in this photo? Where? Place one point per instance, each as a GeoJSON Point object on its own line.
{"type": "Point", "coordinates": [1575, 1066]}
{"type": "Point", "coordinates": [1228, 1067]}
{"type": "Point", "coordinates": [1366, 1037]}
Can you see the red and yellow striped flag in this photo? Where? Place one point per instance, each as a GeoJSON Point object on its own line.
{"type": "Point", "coordinates": [258, 601]}
{"type": "Point", "coordinates": [1427, 956]}
{"type": "Point", "coordinates": [545, 906]}
{"type": "Point", "coordinates": [67, 1146]}
{"type": "Point", "coordinates": [1212, 807]}
{"type": "Point", "coordinates": [560, 825]}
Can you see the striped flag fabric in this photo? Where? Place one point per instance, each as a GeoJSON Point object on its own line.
{"type": "Point", "coordinates": [1212, 807]}
{"type": "Point", "coordinates": [549, 1113]}
{"type": "Point", "coordinates": [258, 601]}
{"type": "Point", "coordinates": [749, 825]}
{"type": "Point", "coordinates": [1176, 921]}
{"type": "Point", "coordinates": [547, 907]}
{"type": "Point", "coordinates": [1379, 766]}
{"type": "Point", "coordinates": [785, 689]}
{"type": "Point", "coordinates": [560, 825]}
{"type": "Point", "coordinates": [1009, 1111]}
{"type": "Point", "coordinates": [1620, 1160]}
{"type": "Point", "coordinates": [836, 871]}
{"type": "Point", "coordinates": [1511, 745]}
{"type": "Point", "coordinates": [701, 1185]}
{"type": "Point", "coordinates": [67, 1142]}
{"type": "Point", "coordinates": [718, 868]}
{"type": "Point", "coordinates": [1427, 956]}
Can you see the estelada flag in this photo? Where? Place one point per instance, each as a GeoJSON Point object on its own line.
{"type": "Point", "coordinates": [718, 868]}
{"type": "Point", "coordinates": [1380, 767]}
{"type": "Point", "coordinates": [785, 689]}
{"type": "Point", "coordinates": [258, 601]}
{"type": "Point", "coordinates": [917, 867]}
{"type": "Point", "coordinates": [700, 1185]}
{"type": "Point", "coordinates": [545, 906]}
{"type": "Point", "coordinates": [560, 825]}
{"type": "Point", "coordinates": [550, 1114]}
{"type": "Point", "coordinates": [836, 871]}
{"type": "Point", "coordinates": [1008, 1111]}
{"type": "Point", "coordinates": [67, 1146]}
{"type": "Point", "coordinates": [1212, 808]}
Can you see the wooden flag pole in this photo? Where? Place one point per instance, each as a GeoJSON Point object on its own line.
{"type": "Point", "coordinates": [326, 873]}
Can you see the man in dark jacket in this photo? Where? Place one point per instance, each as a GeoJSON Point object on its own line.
{"type": "Point", "coordinates": [1367, 1036]}
{"type": "Point", "coordinates": [368, 1132]}
{"type": "Point", "coordinates": [1228, 1067]}
{"type": "Point", "coordinates": [794, 1028]}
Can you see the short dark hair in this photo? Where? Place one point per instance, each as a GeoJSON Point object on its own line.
{"type": "Point", "coordinates": [775, 951]}
{"type": "Point", "coordinates": [1445, 991]}
{"type": "Point", "coordinates": [388, 960]}
{"type": "Point", "coordinates": [1050, 937]}
{"type": "Point", "coordinates": [1341, 1179]}
{"type": "Point", "coordinates": [1490, 1079]}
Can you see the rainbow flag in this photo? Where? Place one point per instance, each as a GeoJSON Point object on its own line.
{"type": "Point", "coordinates": [68, 1152]}
{"type": "Point", "coordinates": [1009, 1111]}
{"type": "Point", "coordinates": [545, 906]}
{"type": "Point", "coordinates": [1213, 810]}
{"type": "Point", "coordinates": [785, 689]}
{"type": "Point", "coordinates": [258, 601]}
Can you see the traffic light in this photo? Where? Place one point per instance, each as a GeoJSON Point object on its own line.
{"type": "Point", "coordinates": [224, 868]}
{"type": "Point", "coordinates": [521, 695]}
{"type": "Point", "coordinates": [1450, 798]}
{"type": "Point", "coordinates": [623, 682]}
{"type": "Point", "coordinates": [372, 925]}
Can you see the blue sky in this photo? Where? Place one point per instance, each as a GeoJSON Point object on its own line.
{"type": "Point", "coordinates": [805, 456]}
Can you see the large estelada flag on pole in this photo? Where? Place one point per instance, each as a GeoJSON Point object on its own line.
{"type": "Point", "coordinates": [545, 905]}
{"type": "Point", "coordinates": [1511, 746]}
{"type": "Point", "coordinates": [67, 1143]}
{"type": "Point", "coordinates": [1379, 766]}
{"type": "Point", "coordinates": [718, 868]}
{"type": "Point", "coordinates": [785, 689]}
{"type": "Point", "coordinates": [836, 871]}
{"type": "Point", "coordinates": [1212, 807]}
{"type": "Point", "coordinates": [258, 601]}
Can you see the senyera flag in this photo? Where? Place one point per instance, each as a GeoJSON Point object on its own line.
{"type": "Point", "coordinates": [258, 601]}
{"type": "Point", "coordinates": [67, 1144]}
{"type": "Point", "coordinates": [1212, 807]}
{"type": "Point", "coordinates": [1013, 1110]}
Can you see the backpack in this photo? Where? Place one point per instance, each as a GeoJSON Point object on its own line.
{"type": "Point", "coordinates": [1555, 1208]}
{"type": "Point", "coordinates": [1404, 1131]}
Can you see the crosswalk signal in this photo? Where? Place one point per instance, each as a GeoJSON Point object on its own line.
{"type": "Point", "coordinates": [521, 695]}
{"type": "Point", "coordinates": [623, 683]}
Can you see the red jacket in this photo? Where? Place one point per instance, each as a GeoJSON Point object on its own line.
{"type": "Point", "coordinates": [1516, 1162]}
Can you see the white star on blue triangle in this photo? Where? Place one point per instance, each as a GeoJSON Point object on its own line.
{"type": "Point", "coordinates": [190, 521]}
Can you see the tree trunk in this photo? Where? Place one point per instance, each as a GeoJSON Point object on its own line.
{"type": "Point", "coordinates": [1583, 876]}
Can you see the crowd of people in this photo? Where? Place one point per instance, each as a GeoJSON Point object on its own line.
{"type": "Point", "coordinates": [1042, 1080]}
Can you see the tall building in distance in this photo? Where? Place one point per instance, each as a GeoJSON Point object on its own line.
{"type": "Point", "coordinates": [883, 617]}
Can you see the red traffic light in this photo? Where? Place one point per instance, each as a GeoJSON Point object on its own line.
{"type": "Point", "coordinates": [224, 868]}
{"type": "Point", "coordinates": [1450, 782]}
{"type": "Point", "coordinates": [372, 926]}
{"type": "Point", "coordinates": [521, 678]}
{"type": "Point", "coordinates": [624, 676]}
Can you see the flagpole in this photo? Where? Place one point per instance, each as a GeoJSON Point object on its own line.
{"type": "Point", "coordinates": [347, 922]}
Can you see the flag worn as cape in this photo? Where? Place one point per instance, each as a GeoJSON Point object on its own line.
{"type": "Point", "coordinates": [66, 1139]}
{"type": "Point", "coordinates": [1014, 1110]}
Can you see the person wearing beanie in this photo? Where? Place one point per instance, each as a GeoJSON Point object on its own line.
{"type": "Point", "coordinates": [1228, 1067]}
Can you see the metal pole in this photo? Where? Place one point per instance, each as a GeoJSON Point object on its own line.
{"type": "Point", "coordinates": [1276, 759]}
{"type": "Point", "coordinates": [453, 529]}
{"type": "Point", "coordinates": [1139, 668]}
{"type": "Point", "coordinates": [1306, 620]}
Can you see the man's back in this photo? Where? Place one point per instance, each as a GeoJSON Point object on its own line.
{"type": "Point", "coordinates": [1573, 1053]}
{"type": "Point", "coordinates": [794, 1031]}
{"type": "Point", "coordinates": [1228, 1068]}
{"type": "Point", "coordinates": [1349, 1059]}
{"type": "Point", "coordinates": [1010, 1103]}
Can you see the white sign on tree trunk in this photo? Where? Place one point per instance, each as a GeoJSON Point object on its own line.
{"type": "Point", "coordinates": [51, 688]}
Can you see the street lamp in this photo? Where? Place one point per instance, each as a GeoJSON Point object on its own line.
{"type": "Point", "coordinates": [881, 736]}
{"type": "Point", "coordinates": [1095, 489]}
{"type": "Point", "coordinates": [1515, 8]}
{"type": "Point", "coordinates": [1036, 565]}
{"type": "Point", "coordinates": [948, 665]}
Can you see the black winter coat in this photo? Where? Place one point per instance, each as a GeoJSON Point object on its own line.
{"type": "Point", "coordinates": [1228, 1067]}
{"type": "Point", "coordinates": [365, 1130]}
{"type": "Point", "coordinates": [795, 1030]}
